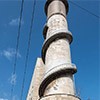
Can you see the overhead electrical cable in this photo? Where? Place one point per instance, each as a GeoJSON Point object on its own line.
{"type": "Point", "coordinates": [84, 9]}
{"type": "Point", "coordinates": [17, 45]}
{"type": "Point", "coordinates": [28, 49]}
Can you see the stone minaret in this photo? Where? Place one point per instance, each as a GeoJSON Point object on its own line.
{"type": "Point", "coordinates": [53, 77]}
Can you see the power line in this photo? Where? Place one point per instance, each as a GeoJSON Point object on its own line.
{"type": "Point", "coordinates": [28, 49]}
{"type": "Point", "coordinates": [85, 9]}
{"type": "Point", "coordinates": [17, 45]}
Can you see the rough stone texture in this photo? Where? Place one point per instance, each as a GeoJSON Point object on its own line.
{"type": "Point", "coordinates": [56, 7]}
{"type": "Point", "coordinates": [61, 85]}
{"type": "Point", "coordinates": [36, 80]}
{"type": "Point", "coordinates": [56, 24]}
{"type": "Point", "coordinates": [58, 53]}
{"type": "Point", "coordinates": [60, 97]}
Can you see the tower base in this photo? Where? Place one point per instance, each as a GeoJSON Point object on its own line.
{"type": "Point", "coordinates": [60, 97]}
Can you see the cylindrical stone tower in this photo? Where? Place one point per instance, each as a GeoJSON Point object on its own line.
{"type": "Point", "coordinates": [58, 82]}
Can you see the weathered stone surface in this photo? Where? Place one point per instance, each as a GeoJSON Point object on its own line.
{"type": "Point", "coordinates": [61, 85]}
{"type": "Point", "coordinates": [58, 53]}
{"type": "Point", "coordinates": [60, 97]}
{"type": "Point", "coordinates": [36, 80]}
{"type": "Point", "coordinates": [55, 7]}
{"type": "Point", "coordinates": [56, 24]}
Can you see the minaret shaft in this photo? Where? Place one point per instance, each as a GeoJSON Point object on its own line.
{"type": "Point", "coordinates": [59, 70]}
{"type": "Point", "coordinates": [58, 52]}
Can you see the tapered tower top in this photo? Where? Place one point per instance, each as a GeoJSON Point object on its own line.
{"type": "Point", "coordinates": [56, 7]}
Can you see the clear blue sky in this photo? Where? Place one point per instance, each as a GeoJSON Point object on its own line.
{"type": "Point", "coordinates": [84, 48]}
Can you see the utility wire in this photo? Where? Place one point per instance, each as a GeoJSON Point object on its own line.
{"type": "Point", "coordinates": [17, 45]}
{"type": "Point", "coordinates": [28, 49]}
{"type": "Point", "coordinates": [85, 9]}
